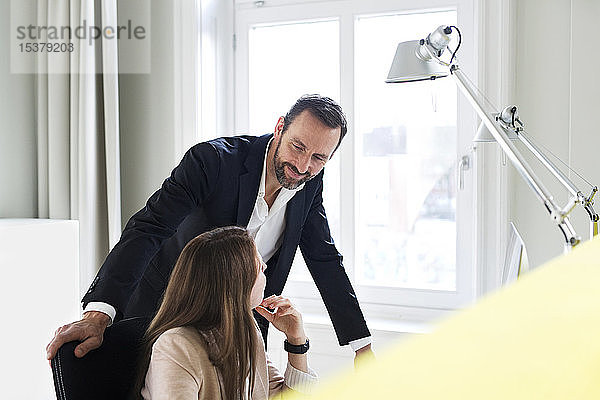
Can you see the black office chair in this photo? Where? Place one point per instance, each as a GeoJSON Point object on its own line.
{"type": "Point", "coordinates": [105, 373]}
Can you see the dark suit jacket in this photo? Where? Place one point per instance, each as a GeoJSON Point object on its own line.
{"type": "Point", "coordinates": [215, 185]}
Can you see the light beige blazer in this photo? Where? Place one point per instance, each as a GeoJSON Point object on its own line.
{"type": "Point", "coordinates": [180, 368]}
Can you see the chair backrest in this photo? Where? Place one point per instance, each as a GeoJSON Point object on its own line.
{"type": "Point", "coordinates": [105, 373]}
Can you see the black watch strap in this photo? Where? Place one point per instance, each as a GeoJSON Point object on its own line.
{"type": "Point", "coordinates": [295, 348]}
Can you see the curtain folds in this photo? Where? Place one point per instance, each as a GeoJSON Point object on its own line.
{"type": "Point", "coordinates": [78, 130]}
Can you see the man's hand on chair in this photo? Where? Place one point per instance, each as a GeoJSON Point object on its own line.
{"type": "Point", "coordinates": [89, 330]}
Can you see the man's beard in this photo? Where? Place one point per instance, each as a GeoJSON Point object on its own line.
{"type": "Point", "coordinates": [283, 180]}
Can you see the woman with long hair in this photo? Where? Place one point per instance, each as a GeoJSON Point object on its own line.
{"type": "Point", "coordinates": [203, 342]}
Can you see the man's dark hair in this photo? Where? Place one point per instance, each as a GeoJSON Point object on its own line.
{"type": "Point", "coordinates": [325, 109]}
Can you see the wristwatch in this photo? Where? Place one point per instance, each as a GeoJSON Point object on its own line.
{"type": "Point", "coordinates": [295, 348]}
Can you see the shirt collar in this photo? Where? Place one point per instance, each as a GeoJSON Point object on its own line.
{"type": "Point", "coordinates": [263, 177]}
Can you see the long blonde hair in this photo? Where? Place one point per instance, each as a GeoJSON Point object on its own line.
{"type": "Point", "coordinates": [210, 288]}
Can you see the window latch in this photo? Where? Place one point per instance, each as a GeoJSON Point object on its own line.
{"type": "Point", "coordinates": [463, 165]}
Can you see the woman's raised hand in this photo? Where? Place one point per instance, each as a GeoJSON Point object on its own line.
{"type": "Point", "coordinates": [284, 318]}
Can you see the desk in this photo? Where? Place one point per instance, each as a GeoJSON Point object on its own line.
{"type": "Point", "coordinates": [534, 339]}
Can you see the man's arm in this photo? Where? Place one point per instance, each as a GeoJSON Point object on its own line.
{"type": "Point", "coordinates": [325, 265]}
{"type": "Point", "coordinates": [190, 184]}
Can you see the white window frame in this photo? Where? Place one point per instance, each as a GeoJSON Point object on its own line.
{"type": "Point", "coordinates": [376, 302]}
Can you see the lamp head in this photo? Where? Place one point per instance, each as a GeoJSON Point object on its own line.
{"type": "Point", "coordinates": [409, 65]}
{"type": "Point", "coordinates": [414, 62]}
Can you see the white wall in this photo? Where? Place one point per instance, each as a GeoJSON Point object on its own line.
{"type": "Point", "coordinates": [585, 100]}
{"type": "Point", "coordinates": [146, 114]}
{"type": "Point", "coordinates": [18, 152]}
{"type": "Point", "coordinates": [557, 88]}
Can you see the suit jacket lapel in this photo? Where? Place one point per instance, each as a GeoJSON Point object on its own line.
{"type": "Point", "coordinates": [249, 181]}
{"type": "Point", "coordinates": [293, 219]}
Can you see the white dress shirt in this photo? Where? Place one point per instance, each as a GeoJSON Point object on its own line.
{"type": "Point", "coordinates": [266, 227]}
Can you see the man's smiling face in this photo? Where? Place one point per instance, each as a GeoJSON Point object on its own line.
{"type": "Point", "coordinates": [303, 149]}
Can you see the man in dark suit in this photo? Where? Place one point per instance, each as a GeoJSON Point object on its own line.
{"type": "Point", "coordinates": [272, 185]}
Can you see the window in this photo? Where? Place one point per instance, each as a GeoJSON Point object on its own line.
{"type": "Point", "coordinates": [298, 57]}
{"type": "Point", "coordinates": [391, 190]}
{"type": "Point", "coordinates": [405, 152]}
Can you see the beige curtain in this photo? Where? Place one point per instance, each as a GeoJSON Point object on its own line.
{"type": "Point", "coordinates": [78, 131]}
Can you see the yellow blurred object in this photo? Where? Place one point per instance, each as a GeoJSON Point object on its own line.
{"type": "Point", "coordinates": [538, 338]}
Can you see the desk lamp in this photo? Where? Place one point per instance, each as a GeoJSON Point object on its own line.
{"type": "Point", "coordinates": [419, 60]}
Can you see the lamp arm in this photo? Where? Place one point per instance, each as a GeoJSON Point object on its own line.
{"type": "Point", "coordinates": [576, 193]}
{"type": "Point", "coordinates": [509, 120]}
{"type": "Point", "coordinates": [588, 205]}
{"type": "Point", "coordinates": [562, 178]}
{"type": "Point", "coordinates": [560, 217]}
